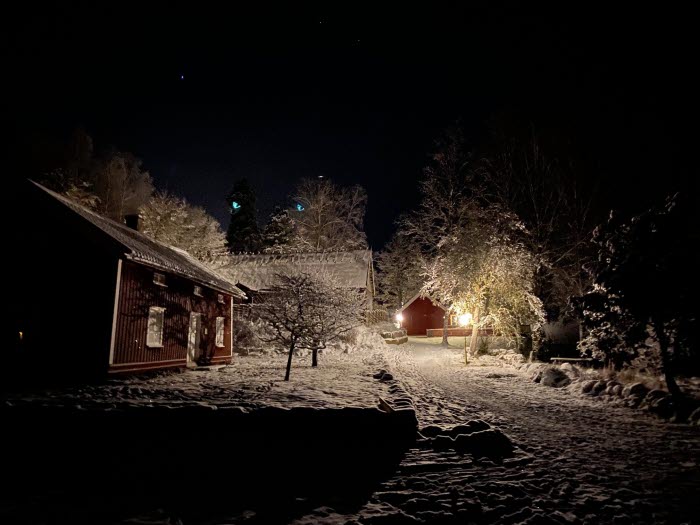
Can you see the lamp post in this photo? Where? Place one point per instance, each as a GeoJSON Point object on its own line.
{"type": "Point", "coordinates": [464, 320]}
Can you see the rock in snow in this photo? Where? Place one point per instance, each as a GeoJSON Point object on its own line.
{"type": "Point", "coordinates": [635, 389]}
{"type": "Point", "coordinates": [554, 377]}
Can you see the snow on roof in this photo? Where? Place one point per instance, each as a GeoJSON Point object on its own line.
{"type": "Point", "coordinates": [417, 296]}
{"type": "Point", "coordinates": [143, 249]}
{"type": "Point", "coordinates": [257, 271]}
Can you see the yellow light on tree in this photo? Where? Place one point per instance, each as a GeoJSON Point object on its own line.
{"type": "Point", "coordinates": [399, 318]}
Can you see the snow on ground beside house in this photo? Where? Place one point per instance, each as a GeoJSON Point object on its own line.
{"type": "Point", "coordinates": [577, 461]}
{"type": "Point", "coordinates": [251, 382]}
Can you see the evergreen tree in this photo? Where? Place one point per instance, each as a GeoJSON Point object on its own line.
{"type": "Point", "coordinates": [242, 234]}
{"type": "Point", "coordinates": [278, 232]}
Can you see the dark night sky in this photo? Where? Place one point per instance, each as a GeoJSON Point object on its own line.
{"type": "Point", "coordinates": [354, 94]}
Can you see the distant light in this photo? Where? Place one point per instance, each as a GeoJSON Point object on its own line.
{"type": "Point", "coordinates": [465, 319]}
{"type": "Point", "coordinates": [399, 317]}
{"type": "Point", "coordinates": [300, 207]}
{"type": "Point", "coordinates": [235, 205]}
{"type": "Point", "coordinates": [182, 77]}
{"type": "Point", "coordinates": [21, 336]}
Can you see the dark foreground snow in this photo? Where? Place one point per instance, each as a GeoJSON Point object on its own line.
{"type": "Point", "coordinates": [333, 459]}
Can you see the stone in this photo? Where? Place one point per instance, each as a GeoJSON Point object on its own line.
{"type": "Point", "coordinates": [475, 425]}
{"type": "Point", "coordinates": [485, 443]}
{"type": "Point", "coordinates": [587, 387]}
{"type": "Point", "coordinates": [536, 376]}
{"type": "Point", "coordinates": [432, 430]}
{"type": "Point", "coordinates": [653, 395]}
{"type": "Point", "coordinates": [599, 387]}
{"type": "Point", "coordinates": [554, 377]}
{"type": "Point", "coordinates": [635, 389]}
{"type": "Point", "coordinates": [694, 417]}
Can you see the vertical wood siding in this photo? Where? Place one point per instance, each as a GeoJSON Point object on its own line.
{"type": "Point", "coordinates": [138, 293]}
{"type": "Point", "coordinates": [421, 315]}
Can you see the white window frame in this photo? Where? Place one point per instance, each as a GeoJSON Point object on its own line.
{"type": "Point", "coordinates": [220, 332]}
{"type": "Point", "coordinates": [159, 279]}
{"type": "Point", "coordinates": [151, 336]}
{"type": "Point", "coordinates": [198, 291]}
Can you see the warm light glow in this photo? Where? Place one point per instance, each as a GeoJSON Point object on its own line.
{"type": "Point", "coordinates": [465, 319]}
{"type": "Point", "coordinates": [399, 317]}
{"type": "Point", "coordinates": [21, 336]}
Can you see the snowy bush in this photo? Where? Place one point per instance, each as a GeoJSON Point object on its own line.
{"type": "Point", "coordinates": [245, 337]}
{"type": "Point", "coordinates": [360, 339]}
{"type": "Point", "coordinates": [642, 307]}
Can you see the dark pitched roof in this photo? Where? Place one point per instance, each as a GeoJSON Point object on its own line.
{"type": "Point", "coordinates": [257, 271]}
{"type": "Point", "coordinates": [138, 247]}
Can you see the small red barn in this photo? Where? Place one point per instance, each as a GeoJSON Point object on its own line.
{"type": "Point", "coordinates": [92, 295]}
{"type": "Point", "coordinates": [420, 314]}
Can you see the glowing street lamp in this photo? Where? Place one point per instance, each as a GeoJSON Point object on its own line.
{"type": "Point", "coordinates": [399, 318]}
{"type": "Point", "coordinates": [464, 321]}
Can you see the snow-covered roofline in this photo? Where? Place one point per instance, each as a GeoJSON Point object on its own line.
{"type": "Point", "coordinates": [418, 296]}
{"type": "Point", "coordinates": [257, 271]}
{"type": "Point", "coordinates": [140, 248]}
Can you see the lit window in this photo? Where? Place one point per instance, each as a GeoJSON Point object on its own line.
{"type": "Point", "coordinates": [221, 298]}
{"type": "Point", "coordinates": [159, 279]}
{"type": "Point", "coordinates": [220, 331]}
{"type": "Point", "coordinates": [198, 290]}
{"type": "Point", "coordinates": [156, 315]}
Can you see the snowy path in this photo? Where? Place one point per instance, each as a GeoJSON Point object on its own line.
{"type": "Point", "coordinates": [580, 460]}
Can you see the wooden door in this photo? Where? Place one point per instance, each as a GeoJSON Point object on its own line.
{"type": "Point", "coordinates": [194, 339]}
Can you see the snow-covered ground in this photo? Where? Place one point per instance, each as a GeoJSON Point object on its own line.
{"type": "Point", "coordinates": [578, 460]}
{"type": "Point", "coordinates": [251, 382]}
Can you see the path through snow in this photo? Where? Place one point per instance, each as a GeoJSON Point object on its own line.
{"type": "Point", "coordinates": [579, 460]}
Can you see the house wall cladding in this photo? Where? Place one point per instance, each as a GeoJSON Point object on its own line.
{"type": "Point", "coordinates": [422, 315]}
{"type": "Point", "coordinates": [138, 293]}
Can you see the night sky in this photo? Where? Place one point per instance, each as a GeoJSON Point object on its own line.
{"type": "Point", "coordinates": [206, 96]}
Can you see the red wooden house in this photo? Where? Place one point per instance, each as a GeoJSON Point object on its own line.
{"type": "Point", "coordinates": [423, 316]}
{"type": "Point", "coordinates": [92, 295]}
{"type": "Point", "coordinates": [420, 314]}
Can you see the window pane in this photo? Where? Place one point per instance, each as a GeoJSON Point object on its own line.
{"type": "Point", "coordinates": [155, 326]}
{"type": "Point", "coordinates": [220, 331]}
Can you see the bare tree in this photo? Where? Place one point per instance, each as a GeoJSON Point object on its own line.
{"type": "Point", "coordinates": [539, 184]}
{"type": "Point", "coordinates": [303, 311]}
{"type": "Point", "coordinates": [398, 271]}
{"type": "Point", "coordinates": [121, 185]}
{"type": "Point", "coordinates": [328, 217]}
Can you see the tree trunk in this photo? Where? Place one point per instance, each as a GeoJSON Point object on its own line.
{"type": "Point", "coordinates": [314, 357]}
{"type": "Point", "coordinates": [671, 384]}
{"type": "Point", "coordinates": [475, 333]}
{"type": "Point", "coordinates": [445, 319]}
{"type": "Point", "coordinates": [289, 361]}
